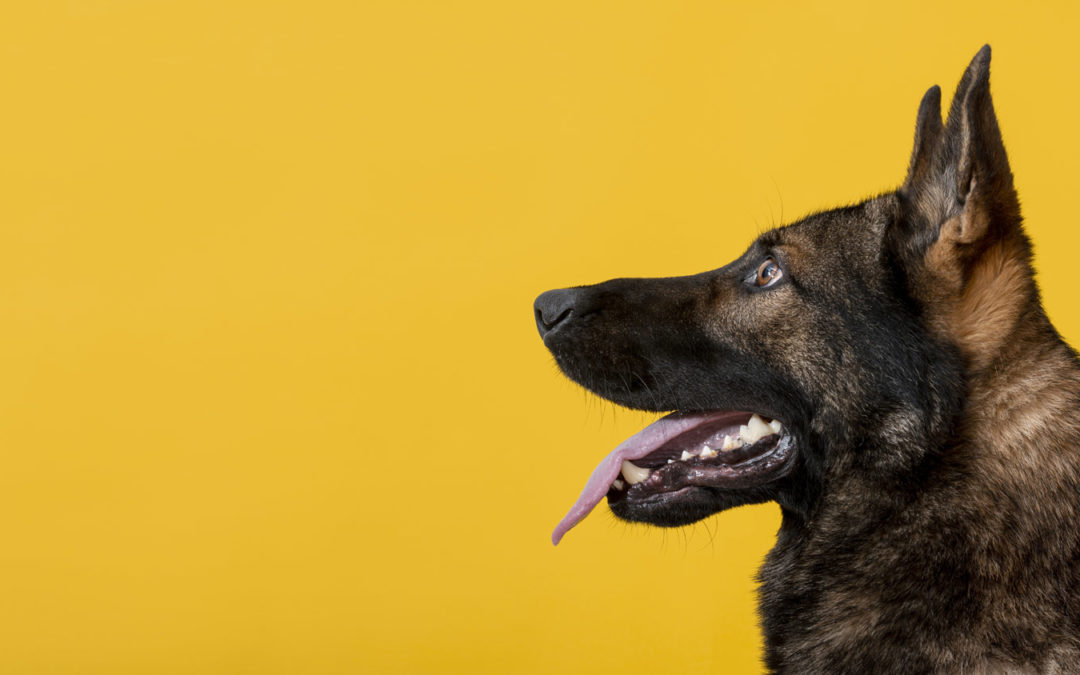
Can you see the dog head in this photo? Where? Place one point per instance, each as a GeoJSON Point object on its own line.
{"type": "Point", "coordinates": [838, 347]}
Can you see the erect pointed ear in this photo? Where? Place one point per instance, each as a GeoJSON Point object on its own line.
{"type": "Point", "coordinates": [928, 130]}
{"type": "Point", "coordinates": [959, 178]}
{"type": "Point", "coordinates": [959, 238]}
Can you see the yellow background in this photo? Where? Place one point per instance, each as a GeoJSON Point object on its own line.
{"type": "Point", "coordinates": [271, 395]}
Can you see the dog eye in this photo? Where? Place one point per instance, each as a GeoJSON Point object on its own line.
{"type": "Point", "coordinates": [768, 273]}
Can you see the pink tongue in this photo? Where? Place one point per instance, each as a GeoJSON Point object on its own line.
{"type": "Point", "coordinates": [637, 446]}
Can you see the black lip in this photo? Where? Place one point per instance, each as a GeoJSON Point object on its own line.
{"type": "Point", "coordinates": [683, 492]}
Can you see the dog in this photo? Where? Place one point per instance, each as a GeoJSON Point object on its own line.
{"type": "Point", "coordinates": [885, 372]}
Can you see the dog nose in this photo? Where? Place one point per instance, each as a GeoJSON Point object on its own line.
{"type": "Point", "coordinates": [554, 309]}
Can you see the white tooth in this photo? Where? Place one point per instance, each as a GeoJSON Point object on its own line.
{"type": "Point", "coordinates": [708, 452]}
{"type": "Point", "coordinates": [744, 434]}
{"type": "Point", "coordinates": [618, 484]}
{"type": "Point", "coordinates": [632, 473]}
{"type": "Point", "coordinates": [729, 443]}
{"type": "Point", "coordinates": [756, 429]}
{"type": "Point", "coordinates": [776, 426]}
{"type": "Point", "coordinates": [685, 456]}
{"type": "Point", "coordinates": [671, 461]}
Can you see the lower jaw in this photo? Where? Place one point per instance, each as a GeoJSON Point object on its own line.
{"type": "Point", "coordinates": [672, 504]}
{"type": "Point", "coordinates": [687, 506]}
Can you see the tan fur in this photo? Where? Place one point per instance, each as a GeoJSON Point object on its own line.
{"type": "Point", "coordinates": [991, 302]}
{"type": "Point", "coordinates": [978, 307]}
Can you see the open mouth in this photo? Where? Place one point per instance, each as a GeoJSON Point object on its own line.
{"type": "Point", "coordinates": [665, 463]}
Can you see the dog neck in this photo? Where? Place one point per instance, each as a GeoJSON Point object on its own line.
{"type": "Point", "coordinates": [976, 545]}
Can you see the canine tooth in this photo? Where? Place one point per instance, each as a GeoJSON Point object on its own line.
{"type": "Point", "coordinates": [618, 484]}
{"type": "Point", "coordinates": [776, 426]}
{"type": "Point", "coordinates": [708, 452]}
{"type": "Point", "coordinates": [632, 473]}
{"type": "Point", "coordinates": [685, 456]}
{"type": "Point", "coordinates": [756, 429]}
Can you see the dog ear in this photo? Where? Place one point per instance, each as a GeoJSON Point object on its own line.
{"type": "Point", "coordinates": [959, 183]}
{"type": "Point", "coordinates": [959, 238]}
{"type": "Point", "coordinates": [928, 130]}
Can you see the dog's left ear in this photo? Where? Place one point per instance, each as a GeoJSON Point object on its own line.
{"type": "Point", "coordinates": [959, 188]}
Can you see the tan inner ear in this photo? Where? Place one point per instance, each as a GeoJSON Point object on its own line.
{"type": "Point", "coordinates": [973, 220]}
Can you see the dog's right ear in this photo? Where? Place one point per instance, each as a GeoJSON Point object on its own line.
{"type": "Point", "coordinates": [928, 130]}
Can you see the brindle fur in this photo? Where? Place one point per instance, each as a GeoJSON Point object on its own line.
{"type": "Point", "coordinates": [929, 524]}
